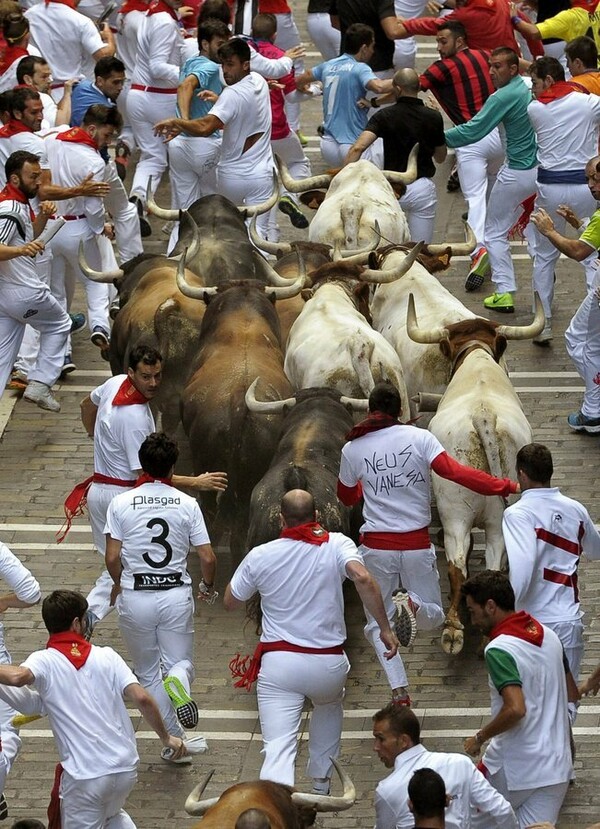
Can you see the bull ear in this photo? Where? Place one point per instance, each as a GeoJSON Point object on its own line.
{"type": "Point", "coordinates": [375, 260]}
{"type": "Point", "coordinates": [306, 294]}
{"type": "Point", "coordinates": [271, 296]}
{"type": "Point", "coordinates": [206, 298]}
{"type": "Point", "coordinates": [445, 348]}
{"type": "Point", "coordinates": [500, 344]}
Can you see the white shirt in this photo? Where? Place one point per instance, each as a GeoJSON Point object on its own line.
{"type": "Point", "coordinates": [91, 727]}
{"type": "Point", "coordinates": [245, 110]}
{"type": "Point", "coordinates": [536, 752]}
{"type": "Point", "coordinates": [20, 271]}
{"type": "Point", "coordinates": [566, 130]}
{"type": "Point", "coordinates": [66, 38]}
{"type": "Point", "coordinates": [160, 53]}
{"type": "Point", "coordinates": [393, 467]}
{"type": "Point", "coordinates": [545, 533]}
{"type": "Point", "coordinates": [119, 432]}
{"type": "Point", "coordinates": [8, 79]}
{"type": "Point", "coordinates": [464, 783]}
{"type": "Point", "coordinates": [128, 33]}
{"type": "Point", "coordinates": [300, 586]}
{"type": "Point", "coordinates": [20, 581]}
{"type": "Point", "coordinates": [50, 111]}
{"type": "Point", "coordinates": [29, 141]}
{"type": "Point", "coordinates": [69, 164]}
{"type": "Point", "coordinates": [156, 525]}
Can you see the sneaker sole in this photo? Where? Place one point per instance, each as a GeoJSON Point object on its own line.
{"type": "Point", "coordinates": [42, 405]}
{"type": "Point", "coordinates": [473, 282]}
{"type": "Point", "coordinates": [590, 430]}
{"type": "Point", "coordinates": [295, 215]}
{"type": "Point", "coordinates": [185, 707]}
{"type": "Point", "coordinates": [507, 309]}
{"type": "Point", "coordinates": [186, 760]}
{"type": "Point", "coordinates": [405, 625]}
{"type": "Point", "coordinates": [99, 340]}
{"type": "Point", "coordinates": [542, 343]}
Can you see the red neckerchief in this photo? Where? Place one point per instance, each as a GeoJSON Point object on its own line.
{"type": "Point", "coordinates": [158, 6]}
{"type": "Point", "coordinates": [559, 90]}
{"type": "Point", "coordinates": [134, 6]}
{"type": "Point", "coordinates": [521, 625]}
{"type": "Point", "coordinates": [12, 193]}
{"type": "Point", "coordinates": [71, 645]}
{"type": "Point", "coordinates": [13, 127]}
{"type": "Point", "coordinates": [372, 423]}
{"type": "Point", "coordinates": [70, 3]}
{"type": "Point", "coordinates": [312, 533]}
{"type": "Point", "coordinates": [150, 479]}
{"type": "Point", "coordinates": [10, 55]}
{"type": "Point", "coordinates": [128, 395]}
{"type": "Point", "coordinates": [77, 136]}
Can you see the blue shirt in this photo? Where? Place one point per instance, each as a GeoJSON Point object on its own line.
{"type": "Point", "coordinates": [208, 75]}
{"type": "Point", "coordinates": [344, 81]}
{"type": "Point", "coordinates": [84, 94]}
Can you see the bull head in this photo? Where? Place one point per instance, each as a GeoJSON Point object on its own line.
{"type": "Point", "coordinates": [437, 335]}
{"type": "Point", "coordinates": [321, 803]}
{"type": "Point", "coordinates": [279, 406]}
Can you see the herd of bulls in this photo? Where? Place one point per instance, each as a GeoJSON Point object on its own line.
{"type": "Point", "coordinates": [263, 366]}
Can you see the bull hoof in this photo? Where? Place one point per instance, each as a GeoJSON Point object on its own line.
{"type": "Point", "coordinates": [452, 640]}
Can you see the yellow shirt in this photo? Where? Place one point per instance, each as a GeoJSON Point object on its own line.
{"type": "Point", "coordinates": [591, 235]}
{"type": "Point", "coordinates": [591, 81]}
{"type": "Point", "coordinates": [570, 24]}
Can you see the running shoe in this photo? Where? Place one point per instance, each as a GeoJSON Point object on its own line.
{"type": "Point", "coordinates": [78, 322]}
{"type": "Point", "coordinates": [402, 702]}
{"type": "Point", "coordinates": [291, 209]}
{"type": "Point", "coordinates": [503, 303]}
{"type": "Point", "coordinates": [581, 423]}
{"type": "Point", "coordinates": [185, 707]}
{"type": "Point", "coordinates": [453, 184]}
{"type": "Point", "coordinates": [100, 337]}
{"type": "Point", "coordinates": [166, 753]}
{"type": "Point", "coordinates": [545, 335]}
{"type": "Point", "coordinates": [17, 381]}
{"type": "Point", "coordinates": [3, 808]}
{"type": "Point", "coordinates": [41, 395]}
{"type": "Point", "coordinates": [302, 138]}
{"type": "Point", "coordinates": [480, 268]}
{"type": "Point", "coordinates": [405, 624]}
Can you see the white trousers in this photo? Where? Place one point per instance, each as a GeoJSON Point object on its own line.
{"type": "Point", "coordinates": [582, 339]}
{"type": "Point", "coordinates": [323, 35]}
{"type": "Point", "coordinates": [284, 682]}
{"type": "Point", "coordinates": [416, 571]}
{"type": "Point", "coordinates": [334, 154]}
{"type": "Point", "coordinates": [158, 629]}
{"type": "Point", "coordinates": [247, 190]}
{"type": "Point", "coordinates": [145, 109]}
{"type": "Point", "coordinates": [478, 165]}
{"type": "Point", "coordinates": [65, 266]}
{"type": "Point", "coordinates": [531, 805]}
{"type": "Point", "coordinates": [504, 208]}
{"type": "Point", "coordinates": [286, 38]}
{"type": "Point", "coordinates": [30, 343]}
{"type": "Point", "coordinates": [549, 196]}
{"type": "Point", "coordinates": [96, 803]}
{"type": "Point", "coordinates": [405, 51]}
{"type": "Point", "coordinates": [193, 172]}
{"type": "Point", "coordinates": [124, 215]}
{"type": "Point", "coordinates": [289, 149]}
{"type": "Point", "coordinates": [419, 203]}
{"type": "Point", "coordinates": [41, 310]}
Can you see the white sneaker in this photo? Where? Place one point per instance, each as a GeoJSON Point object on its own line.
{"type": "Point", "coordinates": [194, 745]}
{"type": "Point", "coordinates": [545, 335]}
{"type": "Point", "coordinates": [41, 394]}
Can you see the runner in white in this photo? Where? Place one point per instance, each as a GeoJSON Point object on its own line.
{"type": "Point", "coordinates": [303, 632]}
{"type": "Point", "coordinates": [83, 689]}
{"type": "Point", "coordinates": [387, 464]}
{"type": "Point", "coordinates": [149, 531]}
{"type": "Point", "coordinates": [545, 535]}
{"type": "Point", "coordinates": [243, 112]}
{"type": "Point", "coordinates": [34, 71]}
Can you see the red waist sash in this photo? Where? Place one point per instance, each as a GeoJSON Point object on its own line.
{"type": "Point", "coordinates": [77, 499]}
{"type": "Point", "coordinates": [246, 669]}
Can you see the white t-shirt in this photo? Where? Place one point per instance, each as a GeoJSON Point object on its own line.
{"type": "Point", "coordinates": [128, 29]}
{"type": "Point", "coordinates": [160, 53]}
{"type": "Point", "coordinates": [119, 431]}
{"type": "Point", "coordinates": [245, 110]}
{"type": "Point", "coordinates": [545, 533]}
{"type": "Point", "coordinates": [156, 525]}
{"type": "Point", "coordinates": [300, 586]}
{"type": "Point", "coordinates": [393, 467]}
{"type": "Point", "coordinates": [50, 111]}
{"type": "Point", "coordinates": [20, 581]}
{"type": "Point", "coordinates": [31, 142]}
{"type": "Point", "coordinates": [20, 271]}
{"type": "Point", "coordinates": [92, 729]}
{"type": "Point", "coordinates": [566, 130]}
{"type": "Point", "coordinates": [66, 38]}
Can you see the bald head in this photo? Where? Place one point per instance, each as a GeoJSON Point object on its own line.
{"type": "Point", "coordinates": [297, 507]}
{"type": "Point", "coordinates": [406, 82]}
{"type": "Point", "coordinates": [592, 174]}
{"type": "Point", "coordinates": [253, 819]}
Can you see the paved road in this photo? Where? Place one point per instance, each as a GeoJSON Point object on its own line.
{"type": "Point", "coordinates": [42, 455]}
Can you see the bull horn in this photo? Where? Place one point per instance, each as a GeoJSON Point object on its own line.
{"type": "Point", "coordinates": [411, 170]}
{"type": "Point", "coordinates": [265, 206]}
{"type": "Point", "coordinates": [266, 406]}
{"type": "Point", "coordinates": [302, 184]}
{"type": "Point", "coordinates": [271, 275]}
{"type": "Point", "coordinates": [159, 212]}
{"type": "Point", "coordinates": [358, 256]}
{"type": "Point", "coordinates": [385, 276]}
{"type": "Point", "coordinates": [193, 804]}
{"type": "Point", "coordinates": [96, 276]}
{"type": "Point", "coordinates": [526, 332]}
{"type": "Point", "coordinates": [274, 248]}
{"type": "Point", "coordinates": [457, 248]}
{"type": "Point", "coordinates": [194, 248]}
{"type": "Point", "coordinates": [184, 286]}
{"type": "Point", "coordinates": [326, 802]}
{"type": "Point", "coordinates": [358, 404]}
{"type": "Point", "coordinates": [293, 288]}
{"type": "Point", "coordinates": [419, 335]}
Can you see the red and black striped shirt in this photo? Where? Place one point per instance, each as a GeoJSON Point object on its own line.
{"type": "Point", "coordinates": [461, 83]}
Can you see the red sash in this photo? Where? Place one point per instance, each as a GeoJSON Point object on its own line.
{"type": "Point", "coordinates": [372, 423]}
{"type": "Point", "coordinates": [11, 193]}
{"type": "Point", "coordinates": [54, 821]}
{"type": "Point", "coordinates": [76, 500]}
{"type": "Point", "coordinates": [70, 3]}
{"type": "Point", "coordinates": [71, 645]}
{"type": "Point", "coordinates": [522, 626]}
{"type": "Point", "coordinates": [247, 668]}
{"type": "Point", "coordinates": [150, 479]}
{"type": "Point", "coordinates": [560, 89]}
{"type": "Point", "coordinates": [76, 135]}
{"type": "Point", "coordinates": [10, 55]}
{"type": "Point", "coordinates": [133, 6]}
{"type": "Point", "coordinates": [128, 395]}
{"type": "Point", "coordinates": [311, 533]}
{"type": "Point", "coordinates": [13, 127]}
{"type": "Point", "coordinates": [414, 540]}
{"type": "Point", "coordinates": [158, 6]}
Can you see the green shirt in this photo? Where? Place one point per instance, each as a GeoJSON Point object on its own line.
{"type": "Point", "coordinates": [506, 108]}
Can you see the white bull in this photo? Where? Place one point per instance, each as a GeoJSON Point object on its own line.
{"type": "Point", "coordinates": [358, 197]}
{"type": "Point", "coordinates": [332, 343]}
{"type": "Point", "coordinates": [480, 422]}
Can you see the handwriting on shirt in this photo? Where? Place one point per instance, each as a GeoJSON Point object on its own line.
{"type": "Point", "coordinates": [391, 470]}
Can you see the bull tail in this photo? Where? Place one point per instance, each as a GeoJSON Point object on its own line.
{"type": "Point", "coordinates": [484, 423]}
{"type": "Point", "coordinates": [361, 354]}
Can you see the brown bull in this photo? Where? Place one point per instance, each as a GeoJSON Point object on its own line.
{"type": "Point", "coordinates": [262, 804]}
